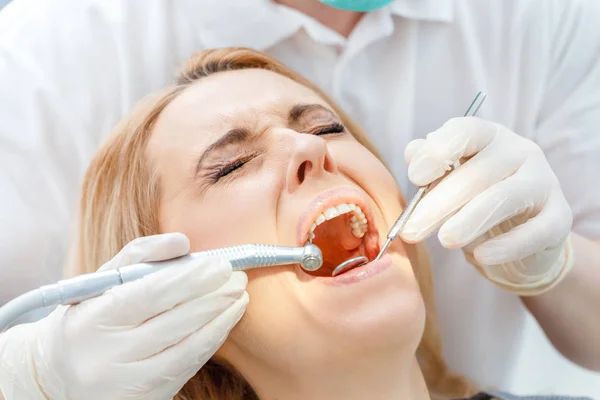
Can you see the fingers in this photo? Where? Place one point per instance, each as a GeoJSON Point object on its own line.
{"type": "Point", "coordinates": [544, 231]}
{"type": "Point", "coordinates": [180, 361]}
{"type": "Point", "coordinates": [172, 326]}
{"type": "Point", "coordinates": [488, 167]}
{"type": "Point", "coordinates": [505, 177]}
{"type": "Point", "coordinates": [412, 148]}
{"type": "Point", "coordinates": [150, 248]}
{"type": "Point", "coordinates": [523, 193]}
{"type": "Point", "coordinates": [135, 302]}
{"type": "Point", "coordinates": [457, 138]}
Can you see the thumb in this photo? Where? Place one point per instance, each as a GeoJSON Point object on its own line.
{"type": "Point", "coordinates": [412, 148]}
{"type": "Point", "coordinates": [150, 248]}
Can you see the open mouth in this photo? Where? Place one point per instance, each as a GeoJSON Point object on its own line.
{"type": "Point", "coordinates": [342, 228]}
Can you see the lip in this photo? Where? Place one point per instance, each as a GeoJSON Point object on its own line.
{"type": "Point", "coordinates": [328, 199]}
{"type": "Point", "coordinates": [358, 274]}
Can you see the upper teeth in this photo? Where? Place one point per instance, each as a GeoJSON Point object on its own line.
{"type": "Point", "coordinates": [358, 221]}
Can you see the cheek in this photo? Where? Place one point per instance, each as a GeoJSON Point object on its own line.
{"type": "Point", "coordinates": [372, 176]}
{"type": "Point", "coordinates": [230, 214]}
{"type": "Point", "coordinates": [290, 325]}
{"type": "Point", "coordinates": [272, 327]}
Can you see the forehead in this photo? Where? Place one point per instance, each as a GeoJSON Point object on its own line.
{"type": "Point", "coordinates": [223, 101]}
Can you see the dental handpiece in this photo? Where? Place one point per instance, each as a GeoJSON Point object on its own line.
{"type": "Point", "coordinates": [410, 207]}
{"type": "Point", "coordinates": [87, 286]}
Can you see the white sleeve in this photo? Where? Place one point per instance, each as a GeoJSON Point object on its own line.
{"type": "Point", "coordinates": [69, 71]}
{"type": "Point", "coordinates": [40, 168]}
{"type": "Point", "coordinates": [59, 96]}
{"type": "Point", "coordinates": [568, 127]}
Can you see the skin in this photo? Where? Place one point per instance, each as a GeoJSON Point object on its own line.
{"type": "Point", "coordinates": [576, 300]}
{"type": "Point", "coordinates": [300, 336]}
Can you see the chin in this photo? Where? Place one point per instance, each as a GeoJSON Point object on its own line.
{"type": "Point", "coordinates": [292, 323]}
{"type": "Point", "coordinates": [384, 310]}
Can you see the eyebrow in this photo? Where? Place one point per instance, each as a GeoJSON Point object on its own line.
{"type": "Point", "coordinates": [299, 110]}
{"type": "Point", "coordinates": [243, 135]}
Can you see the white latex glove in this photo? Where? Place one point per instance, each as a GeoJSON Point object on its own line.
{"type": "Point", "coordinates": [140, 340]}
{"type": "Point", "coordinates": [503, 206]}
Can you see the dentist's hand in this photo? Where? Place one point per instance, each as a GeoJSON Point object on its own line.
{"type": "Point", "coordinates": [141, 340]}
{"type": "Point", "coordinates": [503, 206]}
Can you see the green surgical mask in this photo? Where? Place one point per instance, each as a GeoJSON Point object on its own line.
{"type": "Point", "coordinates": [357, 5]}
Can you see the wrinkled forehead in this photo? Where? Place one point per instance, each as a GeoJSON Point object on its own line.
{"type": "Point", "coordinates": [252, 99]}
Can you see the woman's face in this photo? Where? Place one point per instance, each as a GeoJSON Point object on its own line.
{"type": "Point", "coordinates": [251, 156]}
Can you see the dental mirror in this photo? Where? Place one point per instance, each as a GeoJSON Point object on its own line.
{"type": "Point", "coordinates": [349, 264]}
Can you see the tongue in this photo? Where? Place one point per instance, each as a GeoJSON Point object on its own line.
{"type": "Point", "coordinates": [337, 233]}
{"type": "Point", "coordinates": [337, 242]}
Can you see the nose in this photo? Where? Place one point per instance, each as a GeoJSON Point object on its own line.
{"type": "Point", "coordinates": [310, 158]}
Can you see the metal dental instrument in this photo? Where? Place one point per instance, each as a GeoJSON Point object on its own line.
{"type": "Point", "coordinates": [350, 264]}
{"type": "Point", "coordinates": [399, 224]}
{"type": "Point", "coordinates": [401, 221]}
{"type": "Point", "coordinates": [87, 286]}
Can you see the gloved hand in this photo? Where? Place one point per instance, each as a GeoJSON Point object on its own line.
{"type": "Point", "coordinates": [503, 206]}
{"type": "Point", "coordinates": [140, 340]}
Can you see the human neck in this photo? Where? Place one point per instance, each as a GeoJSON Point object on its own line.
{"type": "Point", "coordinates": [362, 380]}
{"type": "Point", "coordinates": [341, 21]}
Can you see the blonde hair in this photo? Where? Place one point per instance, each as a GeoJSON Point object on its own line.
{"type": "Point", "coordinates": [120, 199]}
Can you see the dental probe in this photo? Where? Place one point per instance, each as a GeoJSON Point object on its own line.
{"type": "Point", "coordinates": [401, 221]}
{"type": "Point", "coordinates": [87, 286]}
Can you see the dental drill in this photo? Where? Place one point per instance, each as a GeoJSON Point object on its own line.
{"type": "Point", "coordinates": [87, 286]}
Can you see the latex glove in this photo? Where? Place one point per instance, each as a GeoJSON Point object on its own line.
{"type": "Point", "coordinates": [503, 206]}
{"type": "Point", "coordinates": [141, 340]}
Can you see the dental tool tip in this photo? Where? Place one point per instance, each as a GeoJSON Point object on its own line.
{"type": "Point", "coordinates": [312, 258]}
{"type": "Point", "coordinates": [384, 248]}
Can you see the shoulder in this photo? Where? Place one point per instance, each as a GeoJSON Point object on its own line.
{"type": "Point", "coordinates": [91, 55]}
{"type": "Point", "coordinates": [530, 8]}
{"type": "Point", "coordinates": [27, 21]}
{"type": "Point", "coordinates": [533, 37]}
{"type": "Point", "coordinates": [529, 13]}
{"type": "Point", "coordinates": [507, 396]}
{"type": "Point", "coordinates": [84, 33]}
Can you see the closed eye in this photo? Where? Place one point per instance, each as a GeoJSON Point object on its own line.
{"type": "Point", "coordinates": [335, 127]}
{"type": "Point", "coordinates": [230, 167]}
